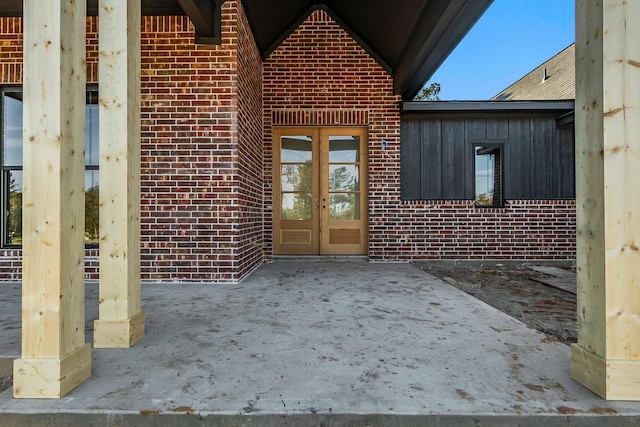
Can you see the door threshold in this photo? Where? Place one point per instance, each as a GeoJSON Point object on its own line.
{"type": "Point", "coordinates": [321, 258]}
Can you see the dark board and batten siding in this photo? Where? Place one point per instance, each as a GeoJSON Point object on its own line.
{"type": "Point", "coordinates": [438, 158]}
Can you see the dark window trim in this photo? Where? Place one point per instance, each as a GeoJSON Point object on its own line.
{"type": "Point", "coordinates": [501, 147]}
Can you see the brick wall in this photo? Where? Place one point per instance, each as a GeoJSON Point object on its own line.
{"type": "Point", "coordinates": [320, 69]}
{"type": "Point", "coordinates": [523, 229]}
{"type": "Point", "coordinates": [207, 117]}
{"type": "Point", "coordinates": [201, 169]}
{"type": "Point", "coordinates": [250, 156]}
{"type": "Point", "coordinates": [198, 195]}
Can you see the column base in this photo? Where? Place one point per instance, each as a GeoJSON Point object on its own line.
{"type": "Point", "coordinates": [118, 333]}
{"type": "Point", "coordinates": [609, 379]}
{"type": "Point", "coordinates": [51, 378]}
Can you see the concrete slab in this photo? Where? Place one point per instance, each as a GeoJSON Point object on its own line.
{"type": "Point", "coordinates": [310, 343]}
{"type": "Point", "coordinates": [557, 278]}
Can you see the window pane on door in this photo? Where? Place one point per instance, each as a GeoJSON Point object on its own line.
{"type": "Point", "coordinates": [295, 149]}
{"type": "Point", "coordinates": [344, 206]}
{"type": "Point", "coordinates": [344, 149]}
{"type": "Point", "coordinates": [296, 177]}
{"type": "Point", "coordinates": [296, 206]}
{"type": "Point", "coordinates": [344, 178]}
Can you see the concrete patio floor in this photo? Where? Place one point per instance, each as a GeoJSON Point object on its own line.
{"type": "Point", "coordinates": [318, 343]}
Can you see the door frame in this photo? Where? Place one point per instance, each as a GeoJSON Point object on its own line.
{"type": "Point", "coordinates": [320, 237]}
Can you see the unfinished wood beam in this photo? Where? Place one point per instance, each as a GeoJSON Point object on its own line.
{"type": "Point", "coordinates": [121, 321]}
{"type": "Point", "coordinates": [55, 358]}
{"type": "Point", "coordinates": [606, 358]}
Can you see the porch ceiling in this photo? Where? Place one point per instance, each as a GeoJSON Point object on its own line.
{"type": "Point", "coordinates": [409, 38]}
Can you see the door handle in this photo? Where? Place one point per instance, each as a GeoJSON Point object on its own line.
{"type": "Point", "coordinates": [315, 204]}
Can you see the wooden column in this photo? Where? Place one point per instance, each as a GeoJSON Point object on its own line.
{"type": "Point", "coordinates": [606, 358]}
{"type": "Point", "coordinates": [55, 358]}
{"type": "Point", "coordinates": [121, 321]}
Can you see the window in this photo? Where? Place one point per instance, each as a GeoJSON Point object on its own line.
{"type": "Point", "coordinates": [11, 166]}
{"type": "Point", "coordinates": [488, 175]}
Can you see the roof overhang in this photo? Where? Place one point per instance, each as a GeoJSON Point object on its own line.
{"type": "Point", "coordinates": [409, 38]}
{"type": "Point", "coordinates": [149, 7]}
{"type": "Point", "coordinates": [565, 107]}
{"type": "Point", "coordinates": [205, 14]}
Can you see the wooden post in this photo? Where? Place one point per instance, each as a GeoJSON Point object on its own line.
{"type": "Point", "coordinates": [121, 320]}
{"type": "Point", "coordinates": [55, 358]}
{"type": "Point", "coordinates": [606, 358]}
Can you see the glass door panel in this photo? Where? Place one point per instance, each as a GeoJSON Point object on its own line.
{"type": "Point", "coordinates": [343, 227]}
{"type": "Point", "coordinates": [296, 178]}
{"type": "Point", "coordinates": [295, 192]}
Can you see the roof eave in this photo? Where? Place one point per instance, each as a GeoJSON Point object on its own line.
{"type": "Point", "coordinates": [421, 107]}
{"type": "Point", "coordinates": [206, 16]}
{"type": "Point", "coordinates": [433, 42]}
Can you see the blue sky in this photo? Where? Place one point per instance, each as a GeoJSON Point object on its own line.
{"type": "Point", "coordinates": [510, 39]}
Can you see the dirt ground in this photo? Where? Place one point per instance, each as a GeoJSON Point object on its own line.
{"type": "Point", "coordinates": [510, 287]}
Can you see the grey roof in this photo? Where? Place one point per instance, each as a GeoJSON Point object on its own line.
{"type": "Point", "coordinates": [554, 79]}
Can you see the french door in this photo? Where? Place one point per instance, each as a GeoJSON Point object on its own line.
{"type": "Point", "coordinates": [320, 191]}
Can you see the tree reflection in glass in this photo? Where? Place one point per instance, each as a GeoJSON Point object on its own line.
{"type": "Point", "coordinates": [296, 178]}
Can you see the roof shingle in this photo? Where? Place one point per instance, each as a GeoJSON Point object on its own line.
{"type": "Point", "coordinates": [555, 79]}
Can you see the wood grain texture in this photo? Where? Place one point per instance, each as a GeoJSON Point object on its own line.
{"type": "Point", "coordinates": [53, 199]}
{"type": "Point", "coordinates": [51, 378]}
{"type": "Point", "coordinates": [119, 113]}
{"type": "Point", "coordinates": [608, 195]}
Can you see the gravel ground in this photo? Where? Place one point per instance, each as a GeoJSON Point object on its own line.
{"type": "Point", "coordinates": [509, 287]}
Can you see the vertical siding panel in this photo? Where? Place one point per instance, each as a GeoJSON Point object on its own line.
{"type": "Point", "coordinates": [517, 177]}
{"type": "Point", "coordinates": [565, 168]}
{"type": "Point", "coordinates": [432, 159]}
{"type": "Point", "coordinates": [497, 128]}
{"type": "Point", "coordinates": [541, 156]}
{"type": "Point", "coordinates": [475, 129]}
{"type": "Point", "coordinates": [453, 167]}
{"type": "Point", "coordinates": [410, 159]}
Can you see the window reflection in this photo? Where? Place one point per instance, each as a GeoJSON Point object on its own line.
{"type": "Point", "coordinates": [344, 206]}
{"type": "Point", "coordinates": [344, 149]}
{"type": "Point", "coordinates": [12, 129]}
{"type": "Point", "coordinates": [296, 207]}
{"type": "Point", "coordinates": [14, 207]}
{"type": "Point", "coordinates": [296, 149]}
{"type": "Point", "coordinates": [488, 179]}
{"type": "Point", "coordinates": [296, 177]}
{"type": "Point", "coordinates": [91, 153]}
{"type": "Point", "coordinates": [12, 183]}
{"type": "Point", "coordinates": [91, 206]}
{"type": "Point", "coordinates": [344, 178]}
